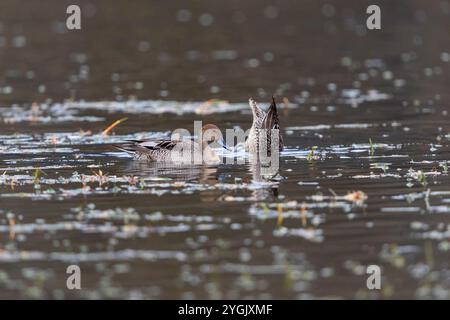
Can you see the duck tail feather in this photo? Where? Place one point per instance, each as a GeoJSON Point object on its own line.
{"type": "Point", "coordinates": [272, 121]}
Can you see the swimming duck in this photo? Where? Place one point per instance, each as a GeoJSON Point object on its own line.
{"type": "Point", "coordinates": [183, 151]}
{"type": "Point", "coordinates": [263, 120]}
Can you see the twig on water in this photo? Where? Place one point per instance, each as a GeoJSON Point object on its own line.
{"type": "Point", "coordinates": [112, 126]}
{"type": "Point", "coordinates": [280, 215]}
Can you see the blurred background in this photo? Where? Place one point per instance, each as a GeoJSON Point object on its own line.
{"type": "Point", "coordinates": [202, 49]}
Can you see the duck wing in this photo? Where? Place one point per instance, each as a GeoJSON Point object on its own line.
{"type": "Point", "coordinates": [144, 146]}
{"type": "Point", "coordinates": [161, 145]}
{"type": "Point", "coordinates": [271, 121]}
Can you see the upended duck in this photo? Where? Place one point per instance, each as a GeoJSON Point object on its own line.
{"type": "Point", "coordinates": [181, 151]}
{"type": "Point", "coordinates": [265, 129]}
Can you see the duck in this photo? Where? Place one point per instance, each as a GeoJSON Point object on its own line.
{"type": "Point", "coordinates": [263, 120]}
{"type": "Point", "coordinates": [179, 151]}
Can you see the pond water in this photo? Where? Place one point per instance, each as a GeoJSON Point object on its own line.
{"type": "Point", "coordinates": [363, 179]}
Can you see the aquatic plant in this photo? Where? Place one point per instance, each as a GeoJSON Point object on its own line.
{"type": "Point", "coordinates": [311, 155]}
{"type": "Point", "coordinates": [372, 147]}
{"type": "Point", "coordinates": [422, 178]}
{"type": "Point", "coordinates": [444, 166]}
{"type": "Point", "coordinates": [102, 178]}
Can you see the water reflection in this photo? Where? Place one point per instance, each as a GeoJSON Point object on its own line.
{"type": "Point", "coordinates": [264, 178]}
{"type": "Point", "coordinates": [179, 172]}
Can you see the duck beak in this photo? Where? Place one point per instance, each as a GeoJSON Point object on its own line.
{"type": "Point", "coordinates": [223, 145]}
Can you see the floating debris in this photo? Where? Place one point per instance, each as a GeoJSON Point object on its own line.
{"type": "Point", "coordinates": [112, 126]}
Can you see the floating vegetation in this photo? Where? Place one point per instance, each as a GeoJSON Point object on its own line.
{"type": "Point", "coordinates": [71, 111]}
{"type": "Point", "coordinates": [372, 148]}
{"type": "Point", "coordinates": [314, 235]}
{"type": "Point", "coordinates": [357, 197]}
{"type": "Point", "coordinates": [311, 155]}
{"type": "Point", "coordinates": [444, 166]}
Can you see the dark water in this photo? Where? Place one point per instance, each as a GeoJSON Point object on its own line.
{"type": "Point", "coordinates": [375, 191]}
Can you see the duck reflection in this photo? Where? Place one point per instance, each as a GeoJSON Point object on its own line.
{"type": "Point", "coordinates": [265, 176]}
{"type": "Point", "coordinates": [179, 172]}
{"type": "Point", "coordinates": [264, 182]}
